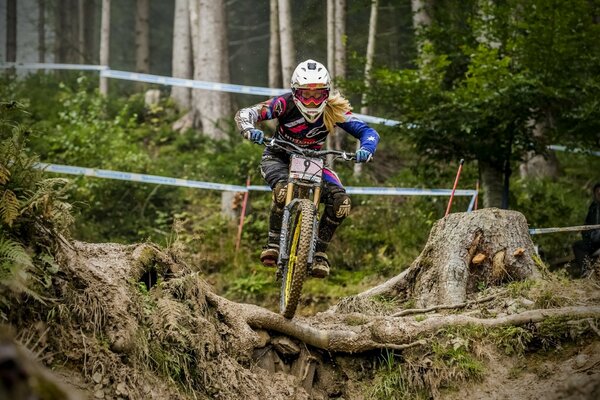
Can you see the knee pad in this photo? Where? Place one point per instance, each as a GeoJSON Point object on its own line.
{"type": "Point", "coordinates": [280, 193]}
{"type": "Point", "coordinates": [341, 205]}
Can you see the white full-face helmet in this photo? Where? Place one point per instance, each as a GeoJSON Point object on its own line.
{"type": "Point", "coordinates": [310, 86]}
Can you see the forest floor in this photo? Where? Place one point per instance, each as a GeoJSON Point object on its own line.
{"type": "Point", "coordinates": [107, 336]}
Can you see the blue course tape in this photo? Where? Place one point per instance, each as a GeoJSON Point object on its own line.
{"type": "Point", "coordinates": [129, 176]}
{"type": "Point", "coordinates": [194, 84]}
{"type": "Point", "coordinates": [77, 67]}
{"type": "Point", "coordinates": [163, 180]}
{"type": "Point", "coordinates": [106, 72]}
{"type": "Point", "coordinates": [564, 148]}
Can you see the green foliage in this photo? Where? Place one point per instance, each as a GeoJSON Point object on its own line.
{"type": "Point", "coordinates": [520, 288]}
{"type": "Point", "coordinates": [392, 381]}
{"type": "Point", "coordinates": [32, 214]}
{"type": "Point", "coordinates": [250, 286]}
{"type": "Point", "coordinates": [511, 339]}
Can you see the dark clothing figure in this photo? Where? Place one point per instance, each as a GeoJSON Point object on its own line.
{"type": "Point", "coordinates": [584, 249]}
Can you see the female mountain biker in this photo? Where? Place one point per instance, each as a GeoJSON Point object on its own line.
{"type": "Point", "coordinates": [306, 116]}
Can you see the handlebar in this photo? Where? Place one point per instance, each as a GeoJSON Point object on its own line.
{"type": "Point", "coordinates": [292, 148]}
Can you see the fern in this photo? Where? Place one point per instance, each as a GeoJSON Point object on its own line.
{"type": "Point", "coordinates": [9, 207]}
{"type": "Point", "coordinates": [13, 257]}
{"type": "Point", "coordinates": [14, 263]}
{"type": "Point", "coordinates": [4, 175]}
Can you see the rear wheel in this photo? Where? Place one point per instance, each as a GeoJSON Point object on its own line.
{"type": "Point", "coordinates": [299, 244]}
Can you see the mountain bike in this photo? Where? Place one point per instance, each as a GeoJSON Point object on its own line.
{"type": "Point", "coordinates": [300, 222]}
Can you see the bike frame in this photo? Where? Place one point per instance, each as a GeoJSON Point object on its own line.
{"type": "Point", "coordinates": [300, 222]}
{"type": "Point", "coordinates": [298, 189]}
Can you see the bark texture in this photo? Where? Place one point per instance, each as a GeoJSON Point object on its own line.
{"type": "Point", "coordinates": [286, 39]}
{"type": "Point", "coordinates": [364, 109]}
{"type": "Point", "coordinates": [182, 54]}
{"type": "Point", "coordinates": [104, 43]}
{"type": "Point", "coordinates": [491, 184]}
{"type": "Point", "coordinates": [11, 31]}
{"type": "Point", "coordinates": [211, 108]}
{"type": "Point", "coordinates": [275, 80]}
{"type": "Point", "coordinates": [142, 36]}
{"type": "Point", "coordinates": [465, 251]}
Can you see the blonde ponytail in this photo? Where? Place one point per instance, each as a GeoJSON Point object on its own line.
{"type": "Point", "coordinates": [335, 110]}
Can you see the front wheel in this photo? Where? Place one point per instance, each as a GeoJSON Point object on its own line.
{"type": "Point", "coordinates": [299, 242]}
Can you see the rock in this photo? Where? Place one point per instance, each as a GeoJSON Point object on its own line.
{"type": "Point", "coordinates": [581, 360]}
{"type": "Point", "coordinates": [526, 302]}
{"type": "Point", "coordinates": [99, 394]}
{"type": "Point", "coordinates": [263, 338]}
{"type": "Point", "coordinates": [285, 346]}
{"type": "Point", "coordinates": [122, 389]}
{"type": "Point", "coordinates": [97, 377]}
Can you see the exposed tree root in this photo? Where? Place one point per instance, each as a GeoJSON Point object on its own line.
{"type": "Point", "coordinates": [389, 332]}
{"type": "Point", "coordinates": [412, 311]}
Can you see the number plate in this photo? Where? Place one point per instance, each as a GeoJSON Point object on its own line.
{"type": "Point", "coordinates": [308, 169]}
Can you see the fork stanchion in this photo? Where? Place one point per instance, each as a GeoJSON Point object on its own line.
{"type": "Point", "coordinates": [242, 216]}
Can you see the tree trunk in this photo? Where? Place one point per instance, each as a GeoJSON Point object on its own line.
{"type": "Point", "coordinates": [41, 31]}
{"type": "Point", "coordinates": [104, 43]}
{"type": "Point", "coordinates": [340, 57]}
{"type": "Point", "coordinates": [541, 165]}
{"type": "Point", "coordinates": [182, 54]}
{"type": "Point", "coordinates": [211, 108]}
{"type": "Point", "coordinates": [81, 23]}
{"type": "Point", "coordinates": [421, 19]}
{"type": "Point", "coordinates": [491, 184]}
{"type": "Point", "coordinates": [66, 41]}
{"type": "Point", "coordinates": [90, 33]}
{"type": "Point", "coordinates": [364, 109]}
{"type": "Point", "coordinates": [11, 31]}
{"type": "Point", "coordinates": [142, 36]}
{"type": "Point", "coordinates": [464, 252]}
{"type": "Point", "coordinates": [329, 144]}
{"type": "Point", "coordinates": [340, 39]}
{"type": "Point", "coordinates": [288, 52]}
{"type": "Point", "coordinates": [275, 80]}
{"type": "Point", "coordinates": [421, 16]}
{"type": "Point", "coordinates": [331, 37]}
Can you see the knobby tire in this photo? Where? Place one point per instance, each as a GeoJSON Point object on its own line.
{"type": "Point", "coordinates": [299, 244]}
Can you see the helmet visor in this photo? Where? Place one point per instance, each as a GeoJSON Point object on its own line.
{"type": "Point", "coordinates": [311, 98]}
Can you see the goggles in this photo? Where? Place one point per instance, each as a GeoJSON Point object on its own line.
{"type": "Point", "coordinates": [311, 97]}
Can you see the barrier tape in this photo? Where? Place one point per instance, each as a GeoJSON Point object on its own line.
{"type": "Point", "coordinates": [538, 231]}
{"type": "Point", "coordinates": [163, 180]}
{"type": "Point", "coordinates": [192, 84]}
{"type": "Point", "coordinates": [575, 150]}
{"type": "Point", "coordinates": [106, 72]}
{"type": "Point", "coordinates": [76, 67]}
{"type": "Point", "coordinates": [133, 177]}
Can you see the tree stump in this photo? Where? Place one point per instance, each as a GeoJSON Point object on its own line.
{"type": "Point", "coordinates": [465, 253]}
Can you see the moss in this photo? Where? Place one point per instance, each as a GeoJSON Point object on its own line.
{"type": "Point", "coordinates": [356, 319]}
{"type": "Point", "coordinates": [520, 288]}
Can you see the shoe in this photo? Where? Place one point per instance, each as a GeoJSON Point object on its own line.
{"type": "Point", "coordinates": [269, 256]}
{"type": "Point", "coordinates": [320, 268]}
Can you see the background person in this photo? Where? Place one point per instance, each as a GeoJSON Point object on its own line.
{"type": "Point", "coordinates": [584, 249]}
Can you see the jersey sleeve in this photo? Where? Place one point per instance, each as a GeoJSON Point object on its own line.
{"type": "Point", "coordinates": [368, 137]}
{"type": "Point", "coordinates": [246, 118]}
